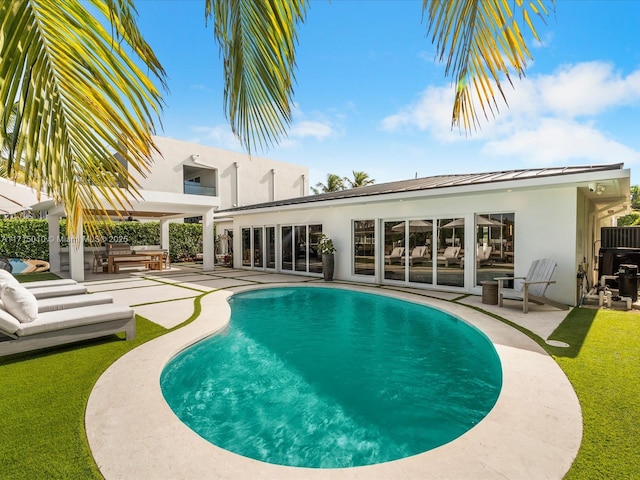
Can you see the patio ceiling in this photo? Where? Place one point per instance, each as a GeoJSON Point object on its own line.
{"type": "Point", "coordinates": [161, 205]}
{"type": "Point", "coordinates": [15, 197]}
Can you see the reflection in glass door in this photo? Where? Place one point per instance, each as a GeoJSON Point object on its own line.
{"type": "Point", "coordinates": [257, 247]}
{"type": "Point", "coordinates": [420, 251]}
{"type": "Point", "coordinates": [287, 248]}
{"type": "Point", "coordinates": [246, 247]}
{"type": "Point", "coordinates": [301, 248]}
{"type": "Point", "coordinates": [270, 250]}
{"type": "Point", "coordinates": [495, 255]}
{"type": "Point", "coordinates": [364, 243]}
{"type": "Point", "coordinates": [449, 243]}
{"type": "Point", "coordinates": [394, 246]}
{"type": "Point", "coordinates": [315, 257]}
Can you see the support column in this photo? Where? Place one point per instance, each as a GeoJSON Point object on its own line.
{"type": "Point", "coordinates": [164, 234]}
{"type": "Point", "coordinates": [208, 253]}
{"type": "Point", "coordinates": [76, 253]}
{"type": "Point", "coordinates": [53, 221]}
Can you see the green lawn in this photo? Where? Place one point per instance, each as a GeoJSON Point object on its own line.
{"type": "Point", "coordinates": [44, 396]}
{"type": "Point", "coordinates": [603, 364]}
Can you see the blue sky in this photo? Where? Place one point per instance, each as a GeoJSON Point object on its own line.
{"type": "Point", "coordinates": [371, 96]}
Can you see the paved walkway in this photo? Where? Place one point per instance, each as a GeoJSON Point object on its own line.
{"type": "Point", "coordinates": [534, 430]}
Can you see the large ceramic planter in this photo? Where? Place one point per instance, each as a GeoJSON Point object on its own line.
{"type": "Point", "coordinates": [327, 267]}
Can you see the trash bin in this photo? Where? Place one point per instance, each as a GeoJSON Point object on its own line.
{"type": "Point", "coordinates": [489, 292]}
{"type": "Point", "coordinates": [628, 281]}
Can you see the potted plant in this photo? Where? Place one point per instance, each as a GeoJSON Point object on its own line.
{"type": "Point", "coordinates": [326, 248]}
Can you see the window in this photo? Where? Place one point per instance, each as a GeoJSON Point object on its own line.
{"type": "Point", "coordinates": [394, 245]}
{"type": "Point", "coordinates": [300, 248]}
{"type": "Point", "coordinates": [364, 241]}
{"type": "Point", "coordinates": [246, 247]}
{"type": "Point", "coordinates": [287, 248]}
{"type": "Point", "coordinates": [495, 253]}
{"type": "Point", "coordinates": [270, 249]}
{"type": "Point", "coordinates": [450, 243]}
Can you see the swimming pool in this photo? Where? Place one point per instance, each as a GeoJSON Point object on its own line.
{"type": "Point", "coordinates": [332, 378]}
{"type": "Point", "coordinates": [21, 265]}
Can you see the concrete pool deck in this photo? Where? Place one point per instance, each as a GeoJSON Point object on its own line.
{"type": "Point", "coordinates": [534, 430]}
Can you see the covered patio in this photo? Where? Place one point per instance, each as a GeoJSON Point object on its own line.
{"type": "Point", "coordinates": [161, 206]}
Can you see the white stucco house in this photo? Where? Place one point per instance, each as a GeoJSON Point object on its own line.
{"type": "Point", "coordinates": [188, 180]}
{"type": "Point", "coordinates": [496, 223]}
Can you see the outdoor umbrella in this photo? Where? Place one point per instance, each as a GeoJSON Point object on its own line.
{"type": "Point", "coordinates": [414, 226]}
{"type": "Point", "coordinates": [481, 222]}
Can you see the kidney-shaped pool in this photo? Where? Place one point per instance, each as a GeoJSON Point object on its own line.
{"type": "Point", "coordinates": [331, 378]}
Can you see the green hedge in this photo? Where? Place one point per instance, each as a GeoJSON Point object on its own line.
{"type": "Point", "coordinates": [29, 238]}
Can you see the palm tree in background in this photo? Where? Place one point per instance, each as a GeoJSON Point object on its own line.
{"type": "Point", "coordinates": [335, 183]}
{"type": "Point", "coordinates": [360, 179]}
{"type": "Point", "coordinates": [78, 78]}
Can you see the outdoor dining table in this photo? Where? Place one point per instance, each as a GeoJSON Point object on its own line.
{"type": "Point", "coordinates": [156, 257]}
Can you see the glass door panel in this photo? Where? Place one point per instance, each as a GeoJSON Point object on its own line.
{"type": "Point", "coordinates": [495, 256]}
{"type": "Point", "coordinates": [246, 247]}
{"type": "Point", "coordinates": [364, 242]}
{"type": "Point", "coordinates": [420, 251]}
{"type": "Point", "coordinates": [301, 248]}
{"type": "Point", "coordinates": [257, 247]}
{"type": "Point", "coordinates": [315, 257]}
{"type": "Point", "coordinates": [287, 248]}
{"type": "Point", "coordinates": [450, 242]}
{"type": "Point", "coordinates": [270, 250]}
{"type": "Point", "coordinates": [394, 246]}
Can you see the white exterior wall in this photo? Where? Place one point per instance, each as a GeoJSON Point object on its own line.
{"type": "Point", "coordinates": [255, 174]}
{"type": "Point", "coordinates": [544, 220]}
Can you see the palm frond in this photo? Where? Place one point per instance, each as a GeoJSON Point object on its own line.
{"type": "Point", "coordinates": [481, 41]}
{"type": "Point", "coordinates": [257, 39]}
{"type": "Point", "coordinates": [81, 98]}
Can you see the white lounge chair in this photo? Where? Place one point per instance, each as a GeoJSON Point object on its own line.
{"type": "Point", "coordinates": [418, 254]}
{"type": "Point", "coordinates": [533, 286]}
{"type": "Point", "coordinates": [60, 327]}
{"type": "Point", "coordinates": [449, 256]}
{"type": "Point", "coordinates": [28, 323]}
{"type": "Point", "coordinates": [395, 256]}
{"type": "Point", "coordinates": [483, 256]}
{"type": "Point", "coordinates": [73, 301]}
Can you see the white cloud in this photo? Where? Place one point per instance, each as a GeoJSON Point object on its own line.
{"type": "Point", "coordinates": [556, 141]}
{"type": "Point", "coordinates": [431, 111]}
{"type": "Point", "coordinates": [308, 128]}
{"type": "Point", "coordinates": [551, 119]}
{"type": "Point", "coordinates": [587, 89]}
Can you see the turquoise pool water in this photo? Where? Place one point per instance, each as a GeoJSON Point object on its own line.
{"type": "Point", "coordinates": [17, 265]}
{"type": "Point", "coordinates": [330, 378]}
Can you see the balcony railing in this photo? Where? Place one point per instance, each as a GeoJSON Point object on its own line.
{"type": "Point", "coordinates": [195, 188]}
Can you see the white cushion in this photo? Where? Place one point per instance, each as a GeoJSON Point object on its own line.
{"type": "Point", "coordinates": [19, 302]}
{"type": "Point", "coordinates": [72, 301]}
{"type": "Point", "coordinates": [49, 283]}
{"type": "Point", "coordinates": [7, 277]}
{"type": "Point", "coordinates": [61, 291]}
{"type": "Point", "coordinates": [76, 317]}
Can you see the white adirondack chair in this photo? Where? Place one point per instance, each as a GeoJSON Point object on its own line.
{"type": "Point", "coordinates": [533, 288]}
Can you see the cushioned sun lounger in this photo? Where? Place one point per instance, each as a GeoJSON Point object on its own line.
{"type": "Point", "coordinates": [58, 291]}
{"type": "Point", "coordinates": [73, 301]}
{"type": "Point", "coordinates": [64, 326]}
{"type": "Point", "coordinates": [49, 283]}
